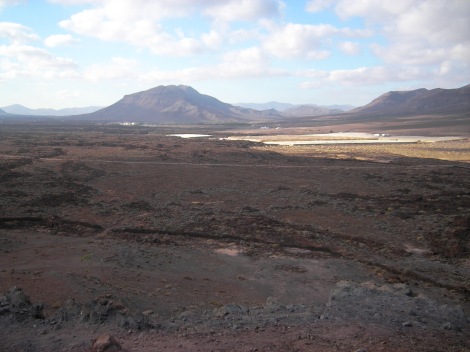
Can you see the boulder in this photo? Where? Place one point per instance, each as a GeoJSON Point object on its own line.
{"type": "Point", "coordinates": [106, 343]}
{"type": "Point", "coordinates": [18, 299]}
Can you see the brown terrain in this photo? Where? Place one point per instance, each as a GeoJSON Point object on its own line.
{"type": "Point", "coordinates": [172, 244]}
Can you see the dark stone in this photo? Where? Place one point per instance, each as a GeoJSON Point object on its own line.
{"type": "Point", "coordinates": [106, 343]}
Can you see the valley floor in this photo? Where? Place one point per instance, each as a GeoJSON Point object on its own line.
{"type": "Point", "coordinates": [212, 244]}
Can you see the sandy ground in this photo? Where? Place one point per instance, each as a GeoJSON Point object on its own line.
{"type": "Point", "coordinates": [341, 138]}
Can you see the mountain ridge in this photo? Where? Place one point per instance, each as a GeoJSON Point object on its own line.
{"type": "Point", "coordinates": [282, 107]}
{"type": "Point", "coordinates": [19, 109]}
{"type": "Point", "coordinates": [175, 104]}
{"type": "Point", "coordinates": [419, 101]}
{"type": "Point", "coordinates": [184, 105]}
{"type": "Point", "coordinates": [311, 110]}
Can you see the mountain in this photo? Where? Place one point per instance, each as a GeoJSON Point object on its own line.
{"type": "Point", "coordinates": [311, 110]}
{"type": "Point", "coordinates": [344, 107]}
{"type": "Point", "coordinates": [419, 102]}
{"type": "Point", "coordinates": [175, 104]}
{"type": "Point", "coordinates": [23, 110]}
{"type": "Point", "coordinates": [2, 112]}
{"type": "Point", "coordinates": [267, 106]}
{"type": "Point", "coordinates": [286, 106]}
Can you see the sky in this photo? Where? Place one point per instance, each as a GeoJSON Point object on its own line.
{"type": "Point", "coordinates": [77, 53]}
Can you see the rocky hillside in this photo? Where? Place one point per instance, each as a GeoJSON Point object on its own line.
{"type": "Point", "coordinates": [175, 104]}
{"type": "Point", "coordinates": [419, 102]}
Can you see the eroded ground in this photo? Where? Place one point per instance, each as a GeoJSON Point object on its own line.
{"type": "Point", "coordinates": [231, 244]}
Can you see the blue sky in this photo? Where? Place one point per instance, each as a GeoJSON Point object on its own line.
{"type": "Point", "coordinates": [73, 53]}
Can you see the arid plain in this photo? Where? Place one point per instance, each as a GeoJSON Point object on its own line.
{"type": "Point", "coordinates": [210, 244]}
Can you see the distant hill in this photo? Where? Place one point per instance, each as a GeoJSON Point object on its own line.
{"type": "Point", "coordinates": [23, 110]}
{"type": "Point", "coordinates": [344, 107]}
{"type": "Point", "coordinates": [3, 112]}
{"type": "Point", "coordinates": [282, 107]}
{"type": "Point", "coordinates": [267, 106]}
{"type": "Point", "coordinates": [311, 110]}
{"type": "Point", "coordinates": [176, 104]}
{"type": "Point", "coordinates": [419, 102]}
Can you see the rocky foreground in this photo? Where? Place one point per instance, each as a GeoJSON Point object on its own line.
{"type": "Point", "coordinates": [391, 310]}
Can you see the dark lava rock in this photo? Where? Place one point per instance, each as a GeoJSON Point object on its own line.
{"type": "Point", "coordinates": [17, 303]}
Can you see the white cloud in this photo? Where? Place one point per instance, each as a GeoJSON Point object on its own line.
{"type": "Point", "coordinates": [116, 69]}
{"type": "Point", "coordinates": [304, 41]}
{"type": "Point", "coordinates": [362, 76]}
{"type": "Point", "coordinates": [244, 10]}
{"type": "Point", "coordinates": [409, 53]}
{"type": "Point", "coordinates": [249, 62]}
{"type": "Point", "coordinates": [318, 5]}
{"type": "Point", "coordinates": [139, 22]}
{"type": "Point", "coordinates": [460, 52]}
{"type": "Point", "coordinates": [222, 36]}
{"type": "Point", "coordinates": [122, 22]}
{"type": "Point", "coordinates": [151, 9]}
{"type": "Point", "coordinates": [29, 61]}
{"type": "Point", "coordinates": [418, 32]}
{"type": "Point", "coordinates": [4, 3]}
{"type": "Point", "coordinates": [22, 60]}
{"type": "Point", "coordinates": [125, 10]}
{"type": "Point", "coordinates": [413, 40]}
{"type": "Point", "coordinates": [446, 74]}
{"type": "Point", "coordinates": [373, 10]}
{"type": "Point", "coordinates": [425, 40]}
{"type": "Point", "coordinates": [436, 22]}
{"type": "Point", "coordinates": [17, 33]}
{"type": "Point", "coordinates": [350, 48]}
{"type": "Point", "coordinates": [296, 40]}
{"type": "Point", "coordinates": [65, 94]}
{"type": "Point", "coordinates": [59, 39]}
{"type": "Point", "coordinates": [73, 2]}
{"type": "Point", "coordinates": [214, 38]}
{"type": "Point", "coordinates": [419, 53]}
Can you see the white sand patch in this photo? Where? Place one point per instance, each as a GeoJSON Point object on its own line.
{"type": "Point", "coordinates": [341, 138]}
{"type": "Point", "coordinates": [414, 250]}
{"type": "Point", "coordinates": [346, 135]}
{"type": "Point", "coordinates": [189, 135]}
